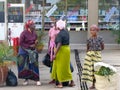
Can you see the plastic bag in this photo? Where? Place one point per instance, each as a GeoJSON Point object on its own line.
{"type": "Point", "coordinates": [102, 83]}
{"type": "Point", "coordinates": [46, 60]}
{"type": "Point", "coordinates": [11, 79]}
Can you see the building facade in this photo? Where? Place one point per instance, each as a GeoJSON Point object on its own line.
{"type": "Point", "coordinates": [80, 15]}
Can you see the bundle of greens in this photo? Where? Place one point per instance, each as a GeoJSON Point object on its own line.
{"type": "Point", "coordinates": [103, 69]}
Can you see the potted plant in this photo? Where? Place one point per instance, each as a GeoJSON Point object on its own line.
{"type": "Point", "coordinates": [41, 37]}
{"type": "Point", "coordinates": [6, 56]}
{"type": "Point", "coordinates": [106, 76]}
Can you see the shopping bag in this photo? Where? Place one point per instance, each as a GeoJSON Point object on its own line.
{"type": "Point", "coordinates": [102, 83]}
{"type": "Point", "coordinates": [46, 60]}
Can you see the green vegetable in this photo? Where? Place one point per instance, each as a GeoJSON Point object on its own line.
{"type": "Point", "coordinates": [105, 71]}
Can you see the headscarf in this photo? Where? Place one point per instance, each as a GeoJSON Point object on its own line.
{"type": "Point", "coordinates": [95, 27]}
{"type": "Point", "coordinates": [60, 24]}
{"type": "Point", "coordinates": [28, 24]}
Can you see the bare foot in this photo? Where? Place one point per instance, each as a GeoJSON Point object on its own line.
{"type": "Point", "coordinates": [92, 87]}
{"type": "Point", "coordinates": [52, 82]}
{"type": "Point", "coordinates": [72, 84]}
{"type": "Point", "coordinates": [59, 86]}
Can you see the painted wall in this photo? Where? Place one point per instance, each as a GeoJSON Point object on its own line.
{"type": "Point", "coordinates": [81, 37]}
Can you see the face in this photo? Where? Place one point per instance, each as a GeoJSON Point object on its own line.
{"type": "Point", "coordinates": [93, 31]}
{"type": "Point", "coordinates": [32, 27]}
{"type": "Point", "coordinates": [55, 27]}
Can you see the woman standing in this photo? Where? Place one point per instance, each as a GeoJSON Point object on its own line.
{"type": "Point", "coordinates": [61, 65]}
{"type": "Point", "coordinates": [9, 36]}
{"type": "Point", "coordinates": [52, 35]}
{"type": "Point", "coordinates": [28, 57]}
{"type": "Point", "coordinates": [95, 45]}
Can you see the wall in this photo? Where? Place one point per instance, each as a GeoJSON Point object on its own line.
{"type": "Point", "coordinates": [81, 37]}
{"type": "Point", "coordinates": [78, 40]}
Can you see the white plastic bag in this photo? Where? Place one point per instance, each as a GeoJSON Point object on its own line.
{"type": "Point", "coordinates": [102, 82]}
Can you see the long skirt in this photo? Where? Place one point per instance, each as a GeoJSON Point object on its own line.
{"type": "Point", "coordinates": [61, 65]}
{"type": "Point", "coordinates": [88, 69]}
{"type": "Point", "coordinates": [27, 69]}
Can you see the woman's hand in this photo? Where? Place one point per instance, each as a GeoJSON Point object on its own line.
{"type": "Point", "coordinates": [54, 56]}
{"type": "Point", "coordinates": [36, 42]}
{"type": "Point", "coordinates": [56, 50]}
{"type": "Point", "coordinates": [32, 46]}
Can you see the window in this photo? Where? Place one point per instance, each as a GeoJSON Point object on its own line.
{"type": "Point", "coordinates": [74, 11]}
{"type": "Point", "coordinates": [15, 14]}
{"type": "Point", "coordinates": [109, 15]}
{"type": "Point", "coordinates": [2, 13]}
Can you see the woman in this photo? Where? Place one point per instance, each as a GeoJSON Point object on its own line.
{"type": "Point", "coordinates": [28, 57]}
{"type": "Point", "coordinates": [95, 45]}
{"type": "Point", "coordinates": [61, 65]}
{"type": "Point", "coordinates": [52, 35]}
{"type": "Point", "coordinates": [9, 36]}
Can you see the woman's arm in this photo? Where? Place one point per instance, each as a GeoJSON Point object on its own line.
{"type": "Point", "coordinates": [56, 51]}
{"type": "Point", "coordinates": [58, 47]}
{"type": "Point", "coordinates": [87, 47]}
{"type": "Point", "coordinates": [49, 42]}
{"type": "Point", "coordinates": [22, 41]}
{"type": "Point", "coordinates": [102, 46]}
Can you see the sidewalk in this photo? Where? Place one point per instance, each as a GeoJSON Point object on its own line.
{"type": "Point", "coordinates": [108, 56]}
{"type": "Point", "coordinates": [45, 78]}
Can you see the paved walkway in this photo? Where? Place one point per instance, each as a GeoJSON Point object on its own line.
{"type": "Point", "coordinates": [45, 78]}
{"type": "Point", "coordinates": [109, 56]}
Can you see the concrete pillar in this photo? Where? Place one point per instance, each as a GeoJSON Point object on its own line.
{"type": "Point", "coordinates": [92, 13]}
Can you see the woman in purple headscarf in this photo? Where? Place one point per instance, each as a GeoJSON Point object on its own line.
{"type": "Point", "coordinates": [28, 57]}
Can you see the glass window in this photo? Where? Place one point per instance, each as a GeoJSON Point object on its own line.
{"type": "Point", "coordinates": [2, 13]}
{"type": "Point", "coordinates": [74, 11]}
{"type": "Point", "coordinates": [77, 12]}
{"type": "Point", "coordinates": [109, 17]}
{"type": "Point", "coordinates": [13, 1]}
{"type": "Point", "coordinates": [15, 14]}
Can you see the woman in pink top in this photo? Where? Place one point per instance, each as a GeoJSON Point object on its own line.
{"type": "Point", "coordinates": [52, 35]}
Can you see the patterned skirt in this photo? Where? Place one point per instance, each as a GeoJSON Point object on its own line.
{"type": "Point", "coordinates": [28, 69]}
{"type": "Point", "coordinates": [61, 65]}
{"type": "Point", "coordinates": [88, 69]}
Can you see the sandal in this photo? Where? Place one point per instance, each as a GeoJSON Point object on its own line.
{"type": "Point", "coordinates": [59, 86]}
{"type": "Point", "coordinates": [72, 84]}
{"type": "Point", "coordinates": [52, 82]}
{"type": "Point", "coordinates": [92, 87]}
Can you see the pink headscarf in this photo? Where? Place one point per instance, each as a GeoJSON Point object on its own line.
{"type": "Point", "coordinates": [60, 24]}
{"type": "Point", "coordinates": [95, 27]}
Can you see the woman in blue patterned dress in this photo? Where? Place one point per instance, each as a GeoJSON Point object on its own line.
{"type": "Point", "coordinates": [28, 67]}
